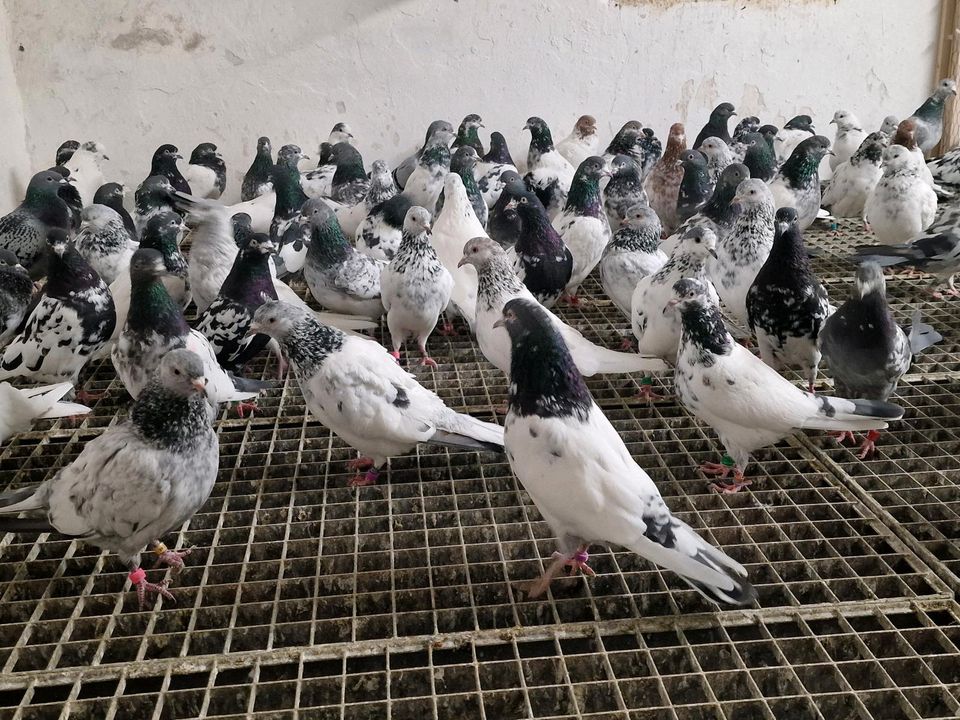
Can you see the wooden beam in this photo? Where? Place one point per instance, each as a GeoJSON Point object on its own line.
{"type": "Point", "coordinates": [948, 66]}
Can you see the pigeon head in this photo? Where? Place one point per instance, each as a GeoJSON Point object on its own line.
{"type": "Point", "coordinates": [678, 133]}
{"type": "Point", "coordinates": [166, 152]}
{"type": "Point", "coordinates": [889, 125]}
{"type": "Point", "coordinates": [906, 134]}
{"type": "Point", "coordinates": [44, 186]}
{"type": "Point", "coordinates": [146, 264]}
{"type": "Point", "coordinates": [641, 216]}
{"type": "Point", "coordinates": [323, 154]}
{"type": "Point", "coordinates": [479, 252]}
{"type": "Point", "coordinates": [498, 152]}
{"type": "Point", "coordinates": [800, 122]}
{"type": "Point", "coordinates": [748, 124]}
{"type": "Point", "coordinates": [416, 221]}
{"type": "Point", "coordinates": [712, 147]}
{"type": "Point", "coordinates": [722, 112]}
{"type": "Point", "coordinates": [753, 192]}
{"type": "Point", "coordinates": [512, 182]}
{"type": "Point", "coordinates": [379, 171]}
{"type": "Point", "coordinates": [9, 259]}
{"type": "Point", "coordinates": [65, 151]}
{"type": "Point", "coordinates": [463, 160]}
{"type": "Point", "coordinates": [699, 241]}
{"type": "Point", "coordinates": [946, 88]}
{"type": "Point", "coordinates": [259, 244]}
{"type": "Point", "coordinates": [264, 146]}
{"type": "Point", "coordinates": [593, 168]}
{"type": "Point", "coordinates": [181, 372]}
{"type": "Point", "coordinates": [242, 228]}
{"type": "Point", "coordinates": [802, 165]}
{"type": "Point", "coordinates": [317, 212]}
{"type": "Point", "coordinates": [439, 132]}
{"type": "Point", "coordinates": [204, 152]}
{"type": "Point", "coordinates": [109, 193]}
{"type": "Point", "coordinates": [471, 121]}
{"type": "Point", "coordinates": [454, 191]}
{"type": "Point", "coordinates": [785, 218]}
{"type": "Point", "coordinates": [897, 158]}
{"type": "Point", "coordinates": [290, 155]}
{"type": "Point", "coordinates": [693, 157]}
{"type": "Point", "coordinates": [688, 293]}
{"type": "Point", "coordinates": [631, 127]}
{"type": "Point", "coordinates": [622, 166]}
{"type": "Point", "coordinates": [163, 232]}
{"type": "Point", "coordinates": [731, 177]}
{"type": "Point", "coordinates": [340, 133]}
{"type": "Point", "coordinates": [155, 190]}
{"type": "Point", "coordinates": [845, 120]}
{"type": "Point", "coordinates": [769, 132]}
{"type": "Point", "coordinates": [586, 126]}
{"type": "Point", "coordinates": [869, 279]}
{"type": "Point", "coordinates": [96, 149]}
{"type": "Point", "coordinates": [278, 319]}
{"type": "Point", "coordinates": [98, 217]}
{"type": "Point", "coordinates": [58, 241]}
{"type": "Point", "coordinates": [816, 147]}
{"type": "Point", "coordinates": [870, 150]}
{"type": "Point", "coordinates": [540, 137]}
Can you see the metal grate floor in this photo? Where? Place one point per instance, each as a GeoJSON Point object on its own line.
{"type": "Point", "coordinates": [306, 599]}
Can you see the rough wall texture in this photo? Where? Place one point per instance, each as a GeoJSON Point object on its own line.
{"type": "Point", "coordinates": [14, 161]}
{"type": "Point", "coordinates": [135, 75]}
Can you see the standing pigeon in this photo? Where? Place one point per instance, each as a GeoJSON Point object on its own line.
{"type": "Point", "coordinates": [760, 156]}
{"type": "Point", "coordinates": [71, 320]}
{"type": "Point", "coordinates": [357, 389]}
{"type": "Point", "coordinates": [319, 182]}
{"type": "Point", "coordinates": [650, 149]}
{"type": "Point", "coordinates": [797, 184]}
{"type": "Point", "coordinates": [945, 170]}
{"type": "Point", "coordinates": [738, 145]}
{"type": "Point", "coordinates": [24, 230]}
{"type": "Point", "coordinates": [288, 228]}
{"type": "Point", "coordinates": [625, 142]}
{"type": "Point", "coordinates": [747, 403]}
{"type": "Point", "coordinates": [719, 213]}
{"type": "Point", "coordinates": [415, 286]}
{"type": "Point", "coordinates": [582, 142]}
{"type": "Point", "coordinates": [380, 188]}
{"type": "Point", "coordinates": [902, 204]}
{"type": "Point", "coordinates": [463, 163]}
{"type": "Point", "coordinates": [787, 305]}
{"type": "Point", "coordinates": [425, 183]}
{"type": "Point", "coordinates": [906, 135]}
{"type": "Point", "coordinates": [206, 173]}
{"type": "Point", "coordinates": [549, 174]}
{"type": "Point", "coordinates": [581, 476]}
{"type": "Point", "coordinates": [19, 407]}
{"type": "Point", "coordinates": [854, 180]}
{"type": "Point", "coordinates": [350, 183]}
{"type": "Point", "coordinates": [489, 172]}
{"type": "Point", "coordinates": [929, 116]}
{"type": "Point", "coordinates": [379, 235]}
{"type": "Point", "coordinates": [866, 351]}
{"type": "Point", "coordinates": [436, 130]}
{"type": "Point", "coordinates": [796, 130]}
{"type": "Point", "coordinates": [695, 188]}
{"type": "Point", "coordinates": [139, 480]}
{"type": "Point", "coordinates": [718, 157]}
{"type": "Point", "coordinates": [503, 222]}
{"type": "Point", "coordinates": [256, 181]}
{"type": "Point", "coordinates": [632, 254]}
{"type": "Point", "coordinates": [16, 290]}
{"type": "Point", "coordinates": [153, 197]}
{"type": "Point", "coordinates": [340, 133]}
{"type": "Point", "coordinates": [165, 164]}
{"type": "Point", "coordinates": [103, 242]}
{"type": "Point", "coordinates": [212, 248]}
{"type": "Point", "coordinates": [717, 125]}
{"type": "Point", "coordinates": [624, 190]}
{"type": "Point", "coordinates": [85, 169]}
{"type": "Point", "coordinates": [111, 195]}
{"type": "Point", "coordinates": [663, 183]}
{"type": "Point", "coordinates": [543, 262]}
{"type": "Point", "coordinates": [467, 135]}
{"type": "Point", "coordinates": [849, 136]}
{"type": "Point", "coordinates": [65, 151]}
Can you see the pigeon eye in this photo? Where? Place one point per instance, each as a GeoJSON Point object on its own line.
{"type": "Point", "coordinates": [176, 372]}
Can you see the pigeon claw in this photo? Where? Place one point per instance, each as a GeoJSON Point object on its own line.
{"type": "Point", "coordinates": [171, 558]}
{"type": "Point", "coordinates": [841, 435]}
{"type": "Point", "coordinates": [361, 463]}
{"type": "Point", "coordinates": [628, 345]}
{"type": "Point", "coordinates": [723, 470]}
{"type": "Point", "coordinates": [869, 446]}
{"type": "Point", "coordinates": [85, 396]}
{"type": "Point", "coordinates": [246, 407]}
{"type": "Point", "coordinates": [429, 361]}
{"type": "Point", "coordinates": [367, 478]}
{"type": "Point", "coordinates": [646, 394]}
{"type": "Point", "coordinates": [448, 329]}
{"type": "Point", "coordinates": [395, 354]}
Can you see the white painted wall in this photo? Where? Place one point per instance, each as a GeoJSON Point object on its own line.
{"type": "Point", "coordinates": [14, 161]}
{"type": "Point", "coordinates": [135, 74]}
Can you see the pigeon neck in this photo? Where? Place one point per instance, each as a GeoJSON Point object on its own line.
{"type": "Point", "coordinates": [675, 148]}
{"type": "Point", "coordinates": [69, 273]}
{"type": "Point", "coordinates": [788, 264]}
{"type": "Point", "coordinates": [584, 196]}
{"type": "Point", "coordinates": [435, 155]}
{"type": "Point", "coordinates": [537, 234]}
{"type": "Point", "coordinates": [623, 143]}
{"type": "Point", "coordinates": [719, 207]}
{"type": "Point", "coordinates": [495, 280]}
{"type": "Point", "coordinates": [262, 163]}
{"type": "Point", "coordinates": [16, 281]}
{"type": "Point", "coordinates": [801, 169]}
{"type": "Point", "coordinates": [641, 240]}
{"type": "Point", "coordinates": [469, 137]}
{"type": "Point", "coordinates": [309, 344]}
{"type": "Point", "coordinates": [541, 142]}
{"type": "Point", "coordinates": [349, 171]}
{"type": "Point", "coordinates": [469, 182]}
{"type": "Point", "coordinates": [932, 108]}
{"type": "Point", "coordinates": [381, 188]}
{"type": "Point", "coordinates": [152, 309]}
{"type": "Point", "coordinates": [498, 154]}
{"type": "Point", "coordinates": [328, 245]}
{"type": "Point", "coordinates": [695, 181]}
{"type": "Point", "coordinates": [412, 248]}
{"type": "Point", "coordinates": [167, 420]}
{"type": "Point", "coordinates": [704, 329]}
{"type": "Point", "coordinates": [544, 381]}
{"type": "Point", "coordinates": [249, 281]}
{"type": "Point", "coordinates": [290, 196]}
{"type": "Point", "coordinates": [718, 128]}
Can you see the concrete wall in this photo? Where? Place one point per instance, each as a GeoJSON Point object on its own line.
{"type": "Point", "coordinates": [14, 161]}
{"type": "Point", "coordinates": [135, 75]}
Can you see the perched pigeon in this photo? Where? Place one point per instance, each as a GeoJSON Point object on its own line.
{"type": "Point", "coordinates": [625, 142]}
{"type": "Point", "coordinates": [85, 169]}
{"type": "Point", "coordinates": [165, 164]}
{"type": "Point", "coordinates": [467, 135]}
{"type": "Point", "coordinates": [718, 157]}
{"type": "Point", "coordinates": [854, 180]}
{"type": "Point", "coordinates": [651, 150]}
{"type": "Point", "coordinates": [357, 389]}
{"type": "Point", "coordinates": [415, 286]}
{"type": "Point", "coordinates": [760, 156]}
{"type": "Point", "coordinates": [206, 173]}
{"type": "Point", "coordinates": [380, 188]}
{"type": "Point", "coordinates": [695, 188]}
{"type": "Point", "coordinates": [850, 135]}
{"type": "Point", "coordinates": [632, 254]}
{"type": "Point", "coordinates": [378, 236]}
{"type": "Point", "coordinates": [719, 213]}
{"type": "Point", "coordinates": [580, 475]}
{"type": "Point", "coordinates": [256, 181]}
{"type": "Point", "coordinates": [24, 230]}
{"type": "Point", "coordinates": [350, 183]}
{"type": "Point", "coordinates": [717, 125]}
{"type": "Point", "coordinates": [929, 116]}
{"type": "Point", "coordinates": [288, 228]}
{"type": "Point", "coordinates": [65, 151]}
{"type": "Point", "coordinates": [153, 197]}
{"type": "Point", "coordinates": [935, 251]}
{"type": "Point", "coordinates": [20, 407]}
{"type": "Point", "coordinates": [582, 142]}
{"type": "Point", "coordinates": [425, 183]}
{"type": "Point", "coordinates": [747, 403]}
{"type": "Point", "coordinates": [139, 480]}
{"type": "Point", "coordinates": [583, 225]}
{"type": "Point", "coordinates": [70, 321]}
{"type": "Point", "coordinates": [787, 305]}
{"type": "Point", "coordinates": [16, 289]}
{"type": "Point", "coordinates": [797, 184]}
{"type": "Point", "coordinates": [451, 229]}
{"type": "Point", "coordinates": [543, 262]}
{"type": "Point", "coordinates": [866, 351]}
{"type": "Point", "coordinates": [795, 131]}
{"type": "Point", "coordinates": [104, 242]}
{"type": "Point", "coordinates": [624, 190]}
{"type": "Point", "coordinates": [212, 248]}
{"type": "Point", "coordinates": [439, 130]}
{"type": "Point", "coordinates": [319, 183]}
{"type": "Point", "coordinates": [549, 174]}
{"type": "Point", "coordinates": [462, 163]}
{"type": "Point", "coordinates": [490, 170]}
{"type": "Point", "coordinates": [111, 195]}
{"type": "Point", "coordinates": [902, 204]}
{"type": "Point", "coordinates": [499, 285]}
{"type": "Point", "coordinates": [663, 183]}
{"type": "Point", "coordinates": [503, 223]}
{"type": "Point", "coordinates": [738, 145]}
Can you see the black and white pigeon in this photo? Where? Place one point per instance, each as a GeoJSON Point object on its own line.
{"type": "Point", "coordinates": [787, 305]}
{"type": "Point", "coordinates": [902, 204]}
{"type": "Point", "coordinates": [318, 183]}
{"type": "Point", "coordinates": [71, 196]}
{"type": "Point", "coordinates": [415, 287]}
{"type": "Point", "coordinates": [583, 224]}
{"type": "Point", "coordinates": [503, 222]}
{"type": "Point", "coordinates": [20, 407]}
{"type": "Point", "coordinates": [350, 182]}
{"type": "Point", "coordinates": [490, 170]}
{"type": "Point", "coordinates": [357, 389]}
{"type": "Point", "coordinates": [624, 189]}
{"type": "Point", "coordinates": [498, 285]}
{"type": "Point", "coordinates": [405, 169]}
{"type": "Point", "coordinates": [16, 290]}
{"type": "Point", "coordinates": [380, 232]}
{"type": "Point", "coordinates": [85, 166]}
{"type": "Point", "coordinates": [718, 157]}
{"type": "Point", "coordinates": [946, 170]}
{"type": "Point", "coordinates": [71, 319]}
{"type": "Point", "coordinates": [380, 188]}
{"type": "Point", "coordinates": [717, 125]}
{"type": "Point", "coordinates": [582, 142]}
{"type": "Point", "coordinates": [738, 142]}
{"type": "Point", "coordinates": [581, 476]}
{"type": "Point", "coordinates": [104, 242]}
{"type": "Point", "coordinates": [760, 156]}
{"type": "Point", "coordinates": [207, 172]}
{"type": "Point", "coordinates": [24, 230]}
{"type": "Point", "coordinates": [543, 262]}
{"type": "Point", "coordinates": [468, 135]}
{"type": "Point", "coordinates": [424, 185]}
{"type": "Point", "coordinates": [257, 180]}
{"type": "Point", "coordinates": [695, 188]}
{"type": "Point", "coordinates": [340, 278]}
{"type": "Point", "coordinates": [929, 116]}
{"type": "Point", "coordinates": [153, 197]}
{"type": "Point", "coordinates": [746, 402]}
{"type": "Point", "coordinates": [111, 195]}
{"type": "Point", "coordinates": [625, 142]}
{"type": "Point", "coordinates": [165, 164]}
{"type": "Point", "coordinates": [854, 180]}
{"type": "Point", "coordinates": [288, 229]}
{"type": "Point", "coordinates": [651, 150]}
{"type": "Point", "coordinates": [141, 479]}
{"type": "Point", "coordinates": [850, 135]}
{"type": "Point", "coordinates": [632, 254]}
{"type": "Point", "coordinates": [797, 183]}
{"type": "Point", "coordinates": [549, 174]}
{"type": "Point", "coordinates": [65, 151]}
{"type": "Point", "coordinates": [866, 351]}
{"type": "Point", "coordinates": [463, 163]}
{"type": "Point", "coordinates": [719, 212]}
{"type": "Point", "coordinates": [795, 131]}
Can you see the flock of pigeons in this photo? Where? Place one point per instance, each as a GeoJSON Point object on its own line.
{"type": "Point", "coordinates": [456, 231]}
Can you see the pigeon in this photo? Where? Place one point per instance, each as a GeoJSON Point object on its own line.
{"type": "Point", "coordinates": [462, 163]}
{"type": "Point", "coordinates": [549, 174]}
{"type": "Point", "coordinates": [206, 173]}
{"type": "Point", "coordinates": [256, 181]}
{"type": "Point", "coordinates": [24, 230]}
{"type": "Point", "coordinates": [866, 351]}
{"type": "Point", "coordinates": [624, 189]}
{"type": "Point", "coordinates": [945, 170]}
{"type": "Point", "coordinates": [68, 322]}
{"type": "Point", "coordinates": [153, 197]}
{"type": "Point", "coordinates": [503, 222]}
{"type": "Point", "coordinates": [760, 156]}
{"type": "Point", "coordinates": [381, 188]}
{"type": "Point", "coordinates": [929, 116]}
{"type": "Point", "coordinates": [906, 135]}
{"type": "Point", "coordinates": [350, 183]}
{"type": "Point", "coordinates": [796, 130]}
{"type": "Point", "coordinates": [165, 164]}
{"type": "Point", "coordinates": [16, 290]}
{"type": "Point", "coordinates": [341, 133]}
{"type": "Point", "coordinates": [212, 247]}
{"type": "Point", "coordinates": [111, 195]}
{"type": "Point", "coordinates": [854, 180]}
{"type": "Point", "coordinates": [889, 126]}
{"type": "Point", "coordinates": [467, 135]}
{"type": "Point", "coordinates": [357, 389]}
{"type": "Point", "coordinates": [581, 476]}
{"type": "Point", "coordinates": [717, 125]}
{"type": "Point", "coordinates": [288, 228]}
{"type": "Point", "coordinates": [71, 197]}
{"type": "Point", "coordinates": [498, 285]}
{"type": "Point", "coordinates": [902, 204]}
{"type": "Point", "coordinates": [378, 236]}
{"type": "Point", "coordinates": [695, 188]}
{"type": "Point", "coordinates": [583, 225]}
{"type": "Point", "coordinates": [746, 402]}
{"type": "Point", "coordinates": [787, 305]}
{"type": "Point", "coordinates": [85, 169]}
{"type": "Point", "coordinates": [451, 229]}
{"type": "Point", "coordinates": [425, 183]}
{"type": "Point", "coordinates": [718, 157]}
{"type": "Point", "coordinates": [582, 142]}
{"type": "Point", "coordinates": [543, 262]}
{"type": "Point", "coordinates": [104, 242]}
{"type": "Point", "coordinates": [663, 183]}
{"type": "Point", "coordinates": [657, 332]}
{"type": "Point", "coordinates": [415, 286]}
{"type": "Point", "coordinates": [139, 480]}
{"type": "Point", "coordinates": [65, 151]}
{"type": "Point", "coordinates": [744, 250]}
{"type": "Point", "coordinates": [340, 278]}
{"type": "Point", "coordinates": [719, 213]}
{"type": "Point", "coordinates": [651, 149]}
{"type": "Point", "coordinates": [490, 170]}
{"type": "Point", "coordinates": [797, 183]}
{"type": "Point", "coordinates": [20, 407]}
{"type": "Point", "coordinates": [738, 144]}
{"type": "Point", "coordinates": [850, 135]}
{"type": "Point", "coordinates": [625, 142]}
{"type": "Point", "coordinates": [632, 254]}
{"type": "Point", "coordinates": [438, 129]}
{"type": "Point", "coordinates": [319, 183]}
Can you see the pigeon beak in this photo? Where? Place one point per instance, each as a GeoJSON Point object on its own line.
{"type": "Point", "coordinates": [500, 323]}
{"type": "Point", "coordinates": [737, 199]}
{"type": "Point", "coordinates": [106, 157]}
{"type": "Point", "coordinates": [304, 156]}
{"type": "Point", "coordinates": [732, 114]}
{"type": "Point", "coordinates": [526, 127]}
{"type": "Point", "coordinates": [953, 92]}
{"type": "Point", "coordinates": [832, 122]}
{"type": "Point", "coordinates": [200, 384]}
{"type": "Point", "coordinates": [511, 204]}
{"type": "Point", "coordinates": [606, 174]}
{"type": "Point", "coordinates": [253, 329]}
{"type": "Point", "coordinates": [481, 125]}
{"type": "Point", "coordinates": [714, 253]}
{"type": "Point", "coordinates": [462, 262]}
{"type": "Point", "coordinates": [178, 156]}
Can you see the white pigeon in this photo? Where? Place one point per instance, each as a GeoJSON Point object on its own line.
{"type": "Point", "coordinates": [456, 224]}
{"type": "Point", "coordinates": [849, 136]}
{"type": "Point", "coordinates": [415, 287]}
{"type": "Point", "coordinates": [425, 183]}
{"type": "Point", "coordinates": [889, 126]}
{"type": "Point", "coordinates": [491, 167]}
{"type": "Point", "coordinates": [794, 132]}
{"type": "Point", "coordinates": [212, 249]}
{"type": "Point", "coordinates": [260, 209]}
{"type": "Point", "coordinates": [583, 479]}
{"type": "Point", "coordinates": [499, 285]}
{"type": "Point", "coordinates": [549, 174]}
{"type": "Point", "coordinates": [633, 253]}
{"type": "Point", "coordinates": [854, 180]}
{"type": "Point", "coordinates": [582, 142]}
{"type": "Point", "coordinates": [19, 407]}
{"type": "Point", "coordinates": [718, 157]}
{"type": "Point", "coordinates": [381, 188]}
{"type": "Point", "coordinates": [104, 242]}
{"type": "Point", "coordinates": [357, 389]}
{"type": "Point", "coordinates": [747, 403]}
{"type": "Point", "coordinates": [902, 204]}
{"type": "Point", "coordinates": [86, 171]}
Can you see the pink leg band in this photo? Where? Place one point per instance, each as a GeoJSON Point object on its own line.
{"type": "Point", "coordinates": [137, 576]}
{"type": "Point", "coordinates": [581, 556]}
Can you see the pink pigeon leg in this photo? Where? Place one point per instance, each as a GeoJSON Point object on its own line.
{"type": "Point", "coordinates": [576, 562]}
{"type": "Point", "coordinates": [244, 407]}
{"type": "Point", "coordinates": [841, 435]}
{"type": "Point", "coordinates": [425, 358]}
{"type": "Point", "coordinates": [368, 478]}
{"type": "Point", "coordinates": [138, 578]}
{"type": "Point", "coordinates": [361, 463]}
{"type": "Point", "coordinates": [869, 444]}
{"type": "Point", "coordinates": [646, 392]}
{"type": "Point", "coordinates": [723, 470]}
{"type": "Point", "coordinates": [171, 558]}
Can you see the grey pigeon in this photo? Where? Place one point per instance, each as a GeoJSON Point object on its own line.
{"type": "Point", "coordinates": [380, 188]}
{"type": "Point", "coordinates": [624, 189]}
{"type": "Point", "coordinates": [717, 125]}
{"type": "Point", "coordinates": [206, 173]}
{"type": "Point", "coordinates": [405, 169]}
{"type": "Point", "coordinates": [929, 116]}
{"type": "Point", "coordinates": [24, 230]}
{"type": "Point", "coordinates": [489, 172]}
{"type": "Point", "coordinates": [424, 185]}
{"type": "Point", "coordinates": [104, 242]}
{"type": "Point", "coordinates": [718, 157]}
{"type": "Point", "coordinates": [16, 289]}
{"type": "Point", "coordinates": [797, 183]}
{"type": "Point", "coordinates": [256, 181]}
